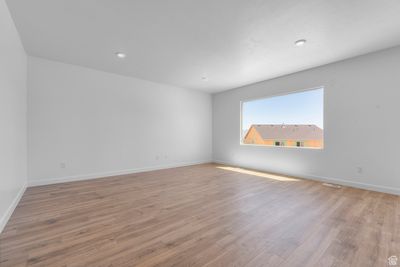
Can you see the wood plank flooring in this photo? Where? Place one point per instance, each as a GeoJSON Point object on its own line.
{"type": "Point", "coordinates": [203, 215]}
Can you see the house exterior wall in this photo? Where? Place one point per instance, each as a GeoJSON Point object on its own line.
{"type": "Point", "coordinates": [253, 137]}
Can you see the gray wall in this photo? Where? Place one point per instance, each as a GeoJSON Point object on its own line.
{"type": "Point", "coordinates": [12, 116]}
{"type": "Point", "coordinates": [362, 125]}
{"type": "Point", "coordinates": [85, 123]}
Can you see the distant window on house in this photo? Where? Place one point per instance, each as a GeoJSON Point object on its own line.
{"type": "Point", "coordinates": [296, 118]}
{"type": "Point", "coordinates": [299, 144]}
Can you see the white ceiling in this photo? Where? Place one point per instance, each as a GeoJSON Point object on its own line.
{"type": "Point", "coordinates": [232, 42]}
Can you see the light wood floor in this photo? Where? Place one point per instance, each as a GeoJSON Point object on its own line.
{"type": "Point", "coordinates": [201, 216]}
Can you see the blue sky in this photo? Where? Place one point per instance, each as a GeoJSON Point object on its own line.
{"type": "Point", "coordinates": [297, 108]}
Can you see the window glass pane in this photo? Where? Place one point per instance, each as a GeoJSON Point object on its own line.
{"type": "Point", "coordinates": [292, 120]}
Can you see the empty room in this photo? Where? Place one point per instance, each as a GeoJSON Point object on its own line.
{"type": "Point", "coordinates": [216, 133]}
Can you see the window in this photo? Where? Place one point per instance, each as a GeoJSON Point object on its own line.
{"type": "Point", "coordinates": [279, 143]}
{"type": "Point", "coordinates": [291, 120]}
{"type": "Point", "coordinates": [299, 144]}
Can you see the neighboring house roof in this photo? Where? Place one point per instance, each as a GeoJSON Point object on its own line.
{"type": "Point", "coordinates": [290, 131]}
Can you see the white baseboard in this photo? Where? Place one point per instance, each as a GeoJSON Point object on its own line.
{"type": "Point", "coordinates": [11, 208]}
{"type": "Point", "coordinates": [371, 187]}
{"type": "Point", "coordinates": [112, 173]}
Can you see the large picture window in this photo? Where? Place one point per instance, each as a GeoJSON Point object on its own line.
{"type": "Point", "coordinates": [291, 120]}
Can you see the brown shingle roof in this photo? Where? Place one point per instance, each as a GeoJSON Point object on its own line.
{"type": "Point", "coordinates": [289, 132]}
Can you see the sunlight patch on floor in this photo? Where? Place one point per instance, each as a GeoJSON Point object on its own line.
{"type": "Point", "coordinates": [259, 174]}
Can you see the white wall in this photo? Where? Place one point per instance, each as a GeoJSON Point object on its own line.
{"type": "Point", "coordinates": [362, 124]}
{"type": "Point", "coordinates": [12, 116]}
{"type": "Point", "coordinates": [98, 124]}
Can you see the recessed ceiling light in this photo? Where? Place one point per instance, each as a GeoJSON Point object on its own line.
{"type": "Point", "coordinates": [120, 55]}
{"type": "Point", "coordinates": [300, 42]}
